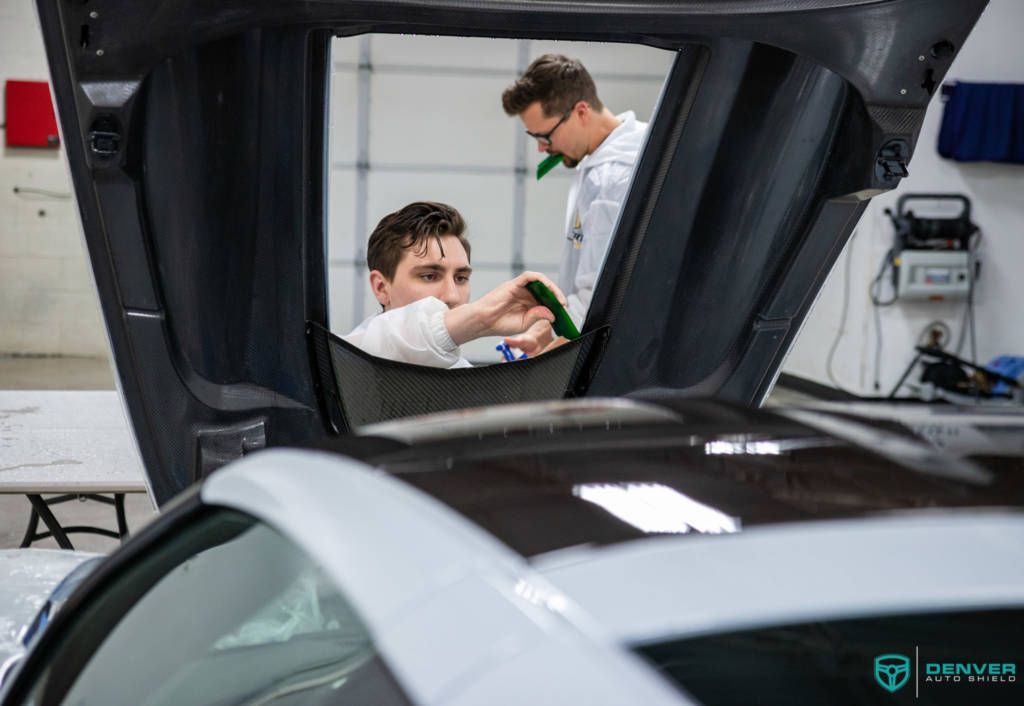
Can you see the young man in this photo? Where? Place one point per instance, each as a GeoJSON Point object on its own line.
{"type": "Point", "coordinates": [557, 102]}
{"type": "Point", "coordinates": [419, 273]}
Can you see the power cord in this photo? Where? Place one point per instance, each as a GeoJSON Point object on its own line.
{"type": "Point", "coordinates": [875, 292]}
{"type": "Point", "coordinates": [841, 331]}
{"type": "Point", "coordinates": [973, 268]}
{"type": "Point", "coordinates": [45, 193]}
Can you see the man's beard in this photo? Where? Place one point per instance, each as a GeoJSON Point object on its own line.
{"type": "Point", "coordinates": [569, 162]}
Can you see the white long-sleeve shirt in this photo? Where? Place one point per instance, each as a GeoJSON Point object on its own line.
{"type": "Point", "coordinates": [414, 333]}
{"type": "Point", "coordinates": [595, 199]}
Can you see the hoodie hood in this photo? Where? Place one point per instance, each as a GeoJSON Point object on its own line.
{"type": "Point", "coordinates": [622, 144]}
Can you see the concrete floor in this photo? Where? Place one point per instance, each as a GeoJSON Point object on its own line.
{"type": "Point", "coordinates": [29, 373]}
{"type": "Point", "coordinates": [55, 373]}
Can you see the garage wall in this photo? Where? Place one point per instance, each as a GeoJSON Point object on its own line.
{"type": "Point", "coordinates": [419, 118]}
{"type": "Point", "coordinates": [425, 138]}
{"type": "Point", "coordinates": [48, 303]}
{"type": "Point", "coordinates": [993, 52]}
{"type": "Point", "coordinates": [411, 118]}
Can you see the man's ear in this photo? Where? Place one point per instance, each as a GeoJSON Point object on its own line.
{"type": "Point", "coordinates": [381, 287]}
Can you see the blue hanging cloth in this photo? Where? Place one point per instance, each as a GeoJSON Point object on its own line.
{"type": "Point", "coordinates": [983, 122]}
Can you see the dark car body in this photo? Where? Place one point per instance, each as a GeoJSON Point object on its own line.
{"type": "Point", "coordinates": [522, 481]}
{"type": "Point", "coordinates": [196, 136]}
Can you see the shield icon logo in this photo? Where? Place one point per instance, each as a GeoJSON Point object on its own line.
{"type": "Point", "coordinates": [892, 671]}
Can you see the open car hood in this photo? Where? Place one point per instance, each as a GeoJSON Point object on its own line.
{"type": "Point", "coordinates": [196, 137]}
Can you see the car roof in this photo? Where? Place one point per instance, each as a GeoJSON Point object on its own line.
{"type": "Point", "coordinates": [792, 574]}
{"type": "Point", "coordinates": [415, 571]}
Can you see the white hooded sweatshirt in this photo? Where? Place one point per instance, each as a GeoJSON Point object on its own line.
{"type": "Point", "coordinates": [595, 199]}
{"type": "Point", "coordinates": [414, 333]}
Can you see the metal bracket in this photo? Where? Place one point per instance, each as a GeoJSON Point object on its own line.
{"type": "Point", "coordinates": [892, 159]}
{"type": "Point", "coordinates": [104, 136]}
{"type": "Point", "coordinates": [218, 446]}
{"type": "Point", "coordinates": [104, 144]}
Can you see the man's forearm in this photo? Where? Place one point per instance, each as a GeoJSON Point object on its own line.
{"type": "Point", "coordinates": [464, 323]}
{"type": "Point", "coordinates": [414, 333]}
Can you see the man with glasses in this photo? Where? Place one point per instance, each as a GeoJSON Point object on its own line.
{"type": "Point", "coordinates": [557, 102]}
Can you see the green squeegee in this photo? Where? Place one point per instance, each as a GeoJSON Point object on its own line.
{"type": "Point", "coordinates": [562, 324]}
{"type": "Point", "coordinates": [548, 164]}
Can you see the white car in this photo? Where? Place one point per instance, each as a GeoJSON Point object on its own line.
{"type": "Point", "coordinates": [580, 551]}
{"type": "Point", "coordinates": [746, 556]}
{"type": "Point", "coordinates": [33, 584]}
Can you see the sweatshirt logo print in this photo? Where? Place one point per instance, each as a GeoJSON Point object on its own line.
{"type": "Point", "coordinates": [576, 236]}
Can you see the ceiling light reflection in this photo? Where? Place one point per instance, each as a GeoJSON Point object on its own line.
{"type": "Point", "coordinates": [656, 508]}
{"type": "Point", "coordinates": [756, 448]}
{"type": "Point", "coordinates": [553, 601]}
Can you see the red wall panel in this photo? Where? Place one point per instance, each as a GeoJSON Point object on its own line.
{"type": "Point", "coordinates": [29, 117]}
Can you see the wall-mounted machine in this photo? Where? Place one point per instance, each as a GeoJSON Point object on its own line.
{"type": "Point", "coordinates": [932, 275]}
{"type": "Point", "coordinates": [932, 256]}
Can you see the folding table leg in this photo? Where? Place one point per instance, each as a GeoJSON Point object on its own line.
{"type": "Point", "coordinates": [122, 521]}
{"type": "Point", "coordinates": [43, 511]}
{"type": "Point", "coordinates": [30, 531]}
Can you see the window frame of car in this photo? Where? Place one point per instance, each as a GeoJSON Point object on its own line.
{"type": "Point", "coordinates": [187, 508]}
{"type": "Point", "coordinates": [834, 653]}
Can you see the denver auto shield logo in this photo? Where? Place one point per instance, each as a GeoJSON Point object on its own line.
{"type": "Point", "coordinates": [892, 671]}
{"type": "Point", "coordinates": [986, 679]}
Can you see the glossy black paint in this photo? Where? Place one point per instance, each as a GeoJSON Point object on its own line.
{"type": "Point", "coordinates": [522, 485]}
{"type": "Point", "coordinates": [195, 133]}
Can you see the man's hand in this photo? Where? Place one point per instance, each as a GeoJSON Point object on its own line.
{"type": "Point", "coordinates": [507, 309]}
{"type": "Point", "coordinates": [560, 341]}
{"type": "Point", "coordinates": [533, 340]}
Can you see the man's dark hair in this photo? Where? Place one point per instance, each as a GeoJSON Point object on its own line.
{"type": "Point", "coordinates": [557, 81]}
{"type": "Point", "coordinates": [412, 227]}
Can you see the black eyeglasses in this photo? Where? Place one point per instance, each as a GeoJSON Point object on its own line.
{"type": "Point", "coordinates": [545, 137]}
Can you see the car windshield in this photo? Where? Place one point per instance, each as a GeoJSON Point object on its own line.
{"type": "Point", "coordinates": [932, 658]}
